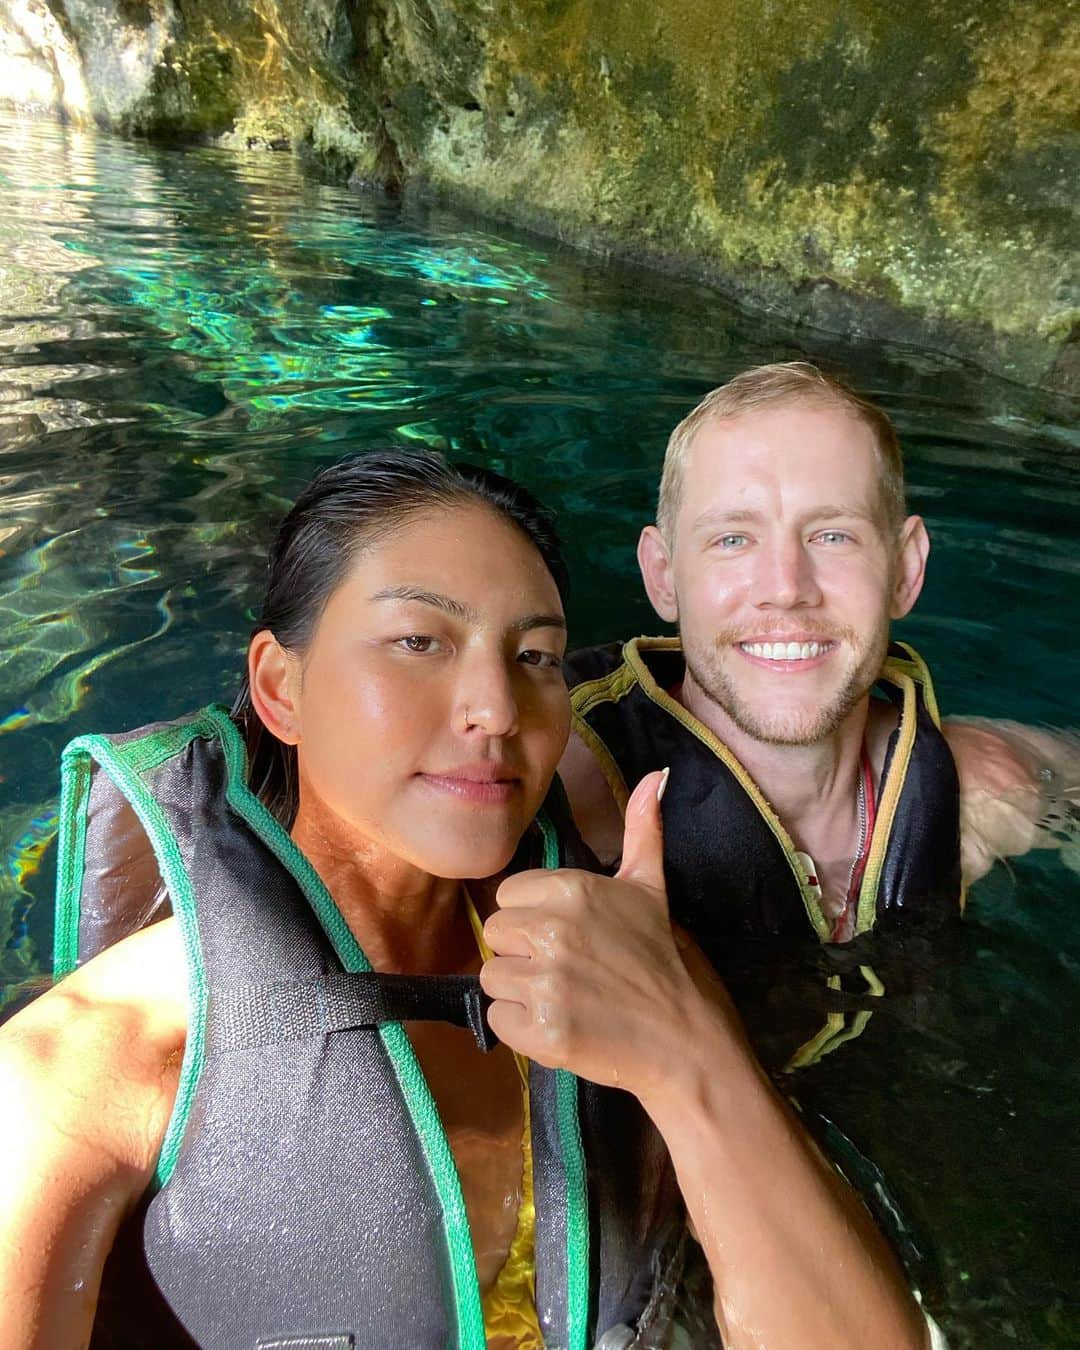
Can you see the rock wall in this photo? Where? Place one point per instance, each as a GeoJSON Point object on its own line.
{"type": "Point", "coordinates": [905, 170]}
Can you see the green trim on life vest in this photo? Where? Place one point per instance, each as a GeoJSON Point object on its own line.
{"type": "Point", "coordinates": [75, 780]}
{"type": "Point", "coordinates": [125, 764]}
{"type": "Point", "coordinates": [577, 1210]}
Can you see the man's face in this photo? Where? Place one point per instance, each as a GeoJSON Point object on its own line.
{"type": "Point", "coordinates": [784, 573]}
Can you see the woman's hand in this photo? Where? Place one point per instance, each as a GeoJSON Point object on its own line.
{"type": "Point", "coordinates": [587, 973]}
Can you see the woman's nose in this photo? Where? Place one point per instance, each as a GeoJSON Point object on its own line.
{"type": "Point", "coordinates": [486, 701]}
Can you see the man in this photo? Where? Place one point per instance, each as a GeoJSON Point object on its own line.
{"type": "Point", "coordinates": [814, 792]}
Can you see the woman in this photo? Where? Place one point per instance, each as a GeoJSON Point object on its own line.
{"type": "Point", "coordinates": [228, 1099]}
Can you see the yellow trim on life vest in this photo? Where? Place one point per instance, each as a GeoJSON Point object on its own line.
{"type": "Point", "coordinates": [632, 656]}
{"type": "Point", "coordinates": [603, 756]}
{"type": "Point", "coordinates": [851, 1033]}
{"type": "Point", "coordinates": [875, 988]}
{"type": "Point", "coordinates": [916, 667]}
{"type": "Point", "coordinates": [814, 1048]}
{"type": "Point", "coordinates": [866, 913]}
{"type": "Point", "coordinates": [609, 688]}
{"type": "Point", "coordinates": [910, 675]}
{"type": "Point", "coordinates": [510, 1304]}
{"type": "Point", "coordinates": [835, 1033]}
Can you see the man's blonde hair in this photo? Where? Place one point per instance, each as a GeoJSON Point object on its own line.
{"type": "Point", "coordinates": [784, 382]}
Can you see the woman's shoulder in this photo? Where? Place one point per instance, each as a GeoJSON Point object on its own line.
{"type": "Point", "coordinates": [95, 1059]}
{"type": "Point", "coordinates": [88, 1075]}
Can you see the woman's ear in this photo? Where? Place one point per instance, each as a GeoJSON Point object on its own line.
{"type": "Point", "coordinates": [272, 679]}
{"type": "Point", "coordinates": [914, 549]}
{"type": "Point", "coordinates": [655, 563]}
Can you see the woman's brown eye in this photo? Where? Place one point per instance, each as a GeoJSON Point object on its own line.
{"type": "Point", "coordinates": [532, 657]}
{"type": "Point", "coordinates": [416, 642]}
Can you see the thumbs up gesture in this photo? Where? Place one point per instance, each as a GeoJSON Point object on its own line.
{"type": "Point", "coordinates": [587, 974]}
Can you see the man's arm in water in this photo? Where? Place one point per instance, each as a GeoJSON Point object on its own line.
{"type": "Point", "coordinates": [589, 976]}
{"type": "Point", "coordinates": [88, 1074]}
{"type": "Point", "coordinates": [1019, 790]}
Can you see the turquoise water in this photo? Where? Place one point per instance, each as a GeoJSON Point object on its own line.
{"type": "Point", "coordinates": [186, 336]}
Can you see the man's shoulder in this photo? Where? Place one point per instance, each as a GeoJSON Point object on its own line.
{"type": "Point", "coordinates": [646, 657]}
{"type": "Point", "coordinates": [592, 663]}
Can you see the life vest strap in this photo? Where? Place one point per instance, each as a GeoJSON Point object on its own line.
{"type": "Point", "coordinates": [246, 1016]}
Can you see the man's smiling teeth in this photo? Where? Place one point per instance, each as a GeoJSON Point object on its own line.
{"type": "Point", "coordinates": [785, 651]}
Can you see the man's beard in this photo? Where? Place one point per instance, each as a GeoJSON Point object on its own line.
{"type": "Point", "coordinates": [793, 727]}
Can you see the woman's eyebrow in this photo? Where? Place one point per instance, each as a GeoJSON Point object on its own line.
{"type": "Point", "coordinates": [444, 602]}
{"type": "Point", "coordinates": [459, 610]}
{"type": "Point", "coordinates": [538, 621]}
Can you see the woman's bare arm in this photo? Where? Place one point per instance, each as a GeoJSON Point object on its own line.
{"type": "Point", "coordinates": [88, 1075]}
{"type": "Point", "coordinates": [589, 976]}
{"type": "Point", "coordinates": [796, 1258]}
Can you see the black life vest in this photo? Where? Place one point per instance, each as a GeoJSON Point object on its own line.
{"type": "Point", "coordinates": [735, 878]}
{"type": "Point", "coordinates": [306, 1192]}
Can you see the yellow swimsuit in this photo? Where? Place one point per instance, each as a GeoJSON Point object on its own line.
{"type": "Point", "coordinates": [510, 1303]}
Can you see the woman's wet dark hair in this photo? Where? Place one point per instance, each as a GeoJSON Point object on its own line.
{"type": "Point", "coordinates": [344, 509]}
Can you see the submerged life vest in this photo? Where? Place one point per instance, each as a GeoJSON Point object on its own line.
{"type": "Point", "coordinates": [735, 878]}
{"type": "Point", "coordinates": [306, 1194]}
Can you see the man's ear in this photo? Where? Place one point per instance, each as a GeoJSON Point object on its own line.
{"type": "Point", "coordinates": [914, 549]}
{"type": "Point", "coordinates": [272, 679]}
{"type": "Point", "coordinates": [655, 563]}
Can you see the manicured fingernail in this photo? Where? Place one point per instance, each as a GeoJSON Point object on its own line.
{"type": "Point", "coordinates": [661, 787]}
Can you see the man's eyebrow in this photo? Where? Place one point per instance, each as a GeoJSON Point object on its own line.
{"type": "Point", "coordinates": [834, 512]}
{"type": "Point", "coordinates": [719, 516]}
{"type": "Point", "coordinates": [711, 519]}
{"type": "Point", "coordinates": [448, 605]}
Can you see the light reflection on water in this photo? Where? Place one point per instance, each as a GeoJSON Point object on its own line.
{"type": "Point", "coordinates": [185, 337]}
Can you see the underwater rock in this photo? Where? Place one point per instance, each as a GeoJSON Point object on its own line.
{"type": "Point", "coordinates": [904, 172]}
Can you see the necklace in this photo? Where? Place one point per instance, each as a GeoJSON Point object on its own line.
{"type": "Point", "coordinates": [860, 806]}
{"type": "Point", "coordinates": [866, 808]}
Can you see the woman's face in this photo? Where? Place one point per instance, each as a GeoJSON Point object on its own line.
{"type": "Point", "coordinates": [430, 708]}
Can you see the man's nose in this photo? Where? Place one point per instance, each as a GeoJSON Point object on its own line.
{"type": "Point", "coordinates": [784, 576]}
{"type": "Point", "coordinates": [486, 698]}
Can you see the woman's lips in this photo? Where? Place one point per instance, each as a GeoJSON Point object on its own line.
{"type": "Point", "coordinates": [477, 789]}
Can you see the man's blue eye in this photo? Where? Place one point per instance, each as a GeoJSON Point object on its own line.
{"type": "Point", "coordinates": [834, 536]}
{"type": "Point", "coordinates": [731, 540]}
